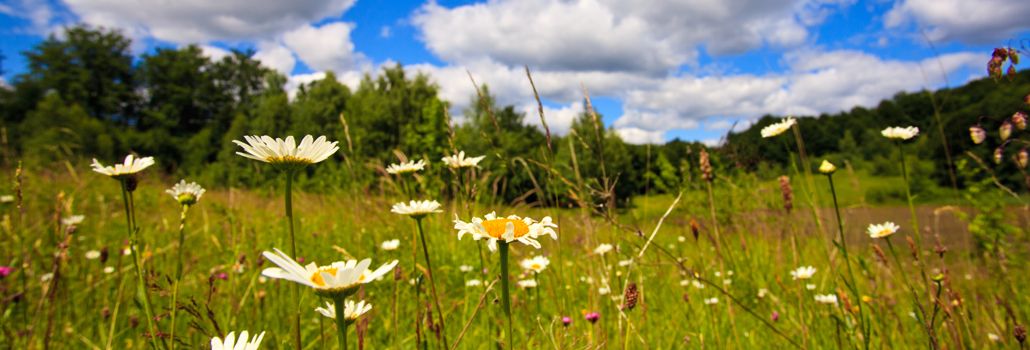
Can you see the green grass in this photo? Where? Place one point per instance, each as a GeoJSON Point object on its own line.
{"type": "Point", "coordinates": [759, 246]}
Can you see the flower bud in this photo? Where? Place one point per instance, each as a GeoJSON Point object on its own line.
{"type": "Point", "coordinates": [1005, 130]}
{"type": "Point", "coordinates": [1022, 158]}
{"type": "Point", "coordinates": [977, 133]}
{"type": "Point", "coordinates": [1019, 120]}
{"type": "Point", "coordinates": [827, 168]}
{"type": "Point", "coordinates": [998, 154]}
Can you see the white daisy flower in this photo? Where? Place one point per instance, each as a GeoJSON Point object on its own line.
{"type": "Point", "coordinates": [337, 278]}
{"type": "Point", "coordinates": [130, 166]}
{"type": "Point", "coordinates": [810, 286]}
{"type": "Point", "coordinates": [465, 268]}
{"type": "Point", "coordinates": [900, 133]}
{"type": "Point", "coordinates": [351, 310]}
{"type": "Point", "coordinates": [536, 264]}
{"type": "Point", "coordinates": [711, 301]}
{"type": "Point", "coordinates": [882, 230]}
{"type": "Point", "coordinates": [762, 292]}
{"type": "Point", "coordinates": [603, 249]}
{"type": "Point", "coordinates": [417, 209]}
{"type": "Point", "coordinates": [525, 284]}
{"type": "Point", "coordinates": [778, 127]}
{"type": "Point", "coordinates": [232, 343]}
{"type": "Point", "coordinates": [6, 198]}
{"type": "Point", "coordinates": [473, 283]}
{"type": "Point", "coordinates": [826, 298]}
{"type": "Point", "coordinates": [459, 161]}
{"type": "Point", "coordinates": [392, 244]}
{"type": "Point", "coordinates": [509, 229]}
{"type": "Point", "coordinates": [406, 167]}
{"type": "Point", "coordinates": [186, 193]}
{"type": "Point", "coordinates": [287, 152]}
{"type": "Point", "coordinates": [73, 220]}
{"type": "Point", "coordinates": [93, 254]}
{"type": "Point", "coordinates": [803, 273]}
{"type": "Point", "coordinates": [603, 290]}
{"type": "Point", "coordinates": [109, 269]}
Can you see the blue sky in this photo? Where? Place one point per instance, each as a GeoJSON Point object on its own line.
{"type": "Point", "coordinates": [658, 71]}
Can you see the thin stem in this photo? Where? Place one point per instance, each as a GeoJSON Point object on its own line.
{"type": "Point", "coordinates": [341, 321]}
{"type": "Point", "coordinates": [178, 270]}
{"type": "Point", "coordinates": [908, 195]}
{"type": "Point", "coordinates": [847, 262]}
{"type": "Point", "coordinates": [130, 217]}
{"type": "Point", "coordinates": [432, 280]}
{"type": "Point", "coordinates": [294, 289]}
{"type": "Point", "coordinates": [505, 295]}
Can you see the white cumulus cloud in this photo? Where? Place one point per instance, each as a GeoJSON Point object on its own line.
{"type": "Point", "coordinates": [324, 48]}
{"type": "Point", "coordinates": [980, 21]}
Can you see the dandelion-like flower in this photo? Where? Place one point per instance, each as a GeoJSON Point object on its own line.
{"type": "Point", "coordinates": [129, 167]}
{"type": "Point", "coordinates": [416, 209]}
{"type": "Point", "coordinates": [603, 249]}
{"type": "Point", "coordinates": [287, 153]}
{"type": "Point", "coordinates": [778, 128]}
{"type": "Point", "coordinates": [803, 273]}
{"type": "Point", "coordinates": [508, 229]}
{"type": "Point", "coordinates": [392, 244]}
{"type": "Point", "coordinates": [338, 278]}
{"type": "Point", "coordinates": [882, 230]}
{"type": "Point", "coordinates": [406, 167]}
{"type": "Point", "coordinates": [827, 168]}
{"type": "Point", "coordinates": [536, 264]}
{"type": "Point", "coordinates": [73, 220]}
{"type": "Point", "coordinates": [826, 299]}
{"type": "Point", "coordinates": [900, 133]}
{"type": "Point", "coordinates": [186, 193]}
{"type": "Point", "coordinates": [459, 161]}
{"type": "Point", "coordinates": [351, 310]}
{"type": "Point", "coordinates": [233, 343]}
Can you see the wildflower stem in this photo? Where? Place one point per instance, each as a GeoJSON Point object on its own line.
{"type": "Point", "coordinates": [853, 284]}
{"type": "Point", "coordinates": [178, 271]}
{"type": "Point", "coordinates": [295, 289]}
{"type": "Point", "coordinates": [505, 294]}
{"type": "Point", "coordinates": [432, 280]}
{"type": "Point", "coordinates": [341, 320]}
{"type": "Point", "coordinates": [130, 218]}
{"type": "Point", "coordinates": [908, 195]}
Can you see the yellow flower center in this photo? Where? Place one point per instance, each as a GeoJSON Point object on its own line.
{"type": "Point", "coordinates": [496, 227]}
{"type": "Point", "coordinates": [535, 266]}
{"type": "Point", "coordinates": [883, 232]}
{"type": "Point", "coordinates": [289, 160]}
{"type": "Point", "coordinates": [317, 277]}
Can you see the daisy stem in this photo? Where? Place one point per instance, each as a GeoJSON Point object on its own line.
{"type": "Point", "coordinates": [130, 218]}
{"type": "Point", "coordinates": [505, 295]}
{"type": "Point", "coordinates": [341, 321]}
{"type": "Point", "coordinates": [294, 290]}
{"type": "Point", "coordinates": [853, 284]}
{"type": "Point", "coordinates": [178, 271]}
{"type": "Point", "coordinates": [432, 279]}
{"type": "Point", "coordinates": [908, 195]}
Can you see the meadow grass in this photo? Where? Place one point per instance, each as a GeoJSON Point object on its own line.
{"type": "Point", "coordinates": [688, 294]}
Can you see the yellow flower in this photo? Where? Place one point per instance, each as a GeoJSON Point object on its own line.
{"type": "Point", "coordinates": [341, 277]}
{"type": "Point", "coordinates": [882, 230]}
{"type": "Point", "coordinates": [827, 168]}
{"type": "Point", "coordinates": [508, 229]}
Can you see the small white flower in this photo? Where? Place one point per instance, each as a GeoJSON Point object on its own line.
{"type": "Point", "coordinates": [711, 301]}
{"type": "Point", "coordinates": [6, 198]}
{"type": "Point", "coordinates": [73, 220]}
{"type": "Point", "coordinates": [46, 277]}
{"type": "Point", "coordinates": [186, 193]}
{"type": "Point", "coordinates": [526, 284]}
{"type": "Point", "coordinates": [762, 292]}
{"type": "Point", "coordinates": [778, 127]}
{"type": "Point", "coordinates": [473, 283]}
{"type": "Point", "coordinates": [351, 310]}
{"type": "Point", "coordinates": [603, 290]}
{"type": "Point", "coordinates": [882, 230]}
{"type": "Point", "coordinates": [390, 244]}
{"type": "Point", "coordinates": [406, 167]}
{"type": "Point", "coordinates": [93, 254]}
{"type": "Point", "coordinates": [681, 239]}
{"type": "Point", "coordinates": [459, 161]}
{"type": "Point", "coordinates": [586, 279]}
{"type": "Point", "coordinates": [993, 337]}
{"type": "Point", "coordinates": [130, 166]}
{"type": "Point", "coordinates": [465, 268]}
{"type": "Point", "coordinates": [127, 251]}
{"type": "Point", "coordinates": [900, 133]}
{"type": "Point", "coordinates": [603, 249]}
{"type": "Point", "coordinates": [109, 269]}
{"type": "Point", "coordinates": [231, 343]}
{"type": "Point", "coordinates": [810, 286]}
{"type": "Point", "coordinates": [826, 298]}
{"type": "Point", "coordinates": [536, 264]}
{"type": "Point", "coordinates": [718, 273]}
{"type": "Point", "coordinates": [624, 263]}
{"type": "Point", "coordinates": [727, 281]}
{"type": "Point", "coordinates": [803, 273]}
{"type": "Point", "coordinates": [416, 209]}
{"type": "Point", "coordinates": [684, 283]}
{"type": "Point", "coordinates": [287, 152]}
{"type": "Point", "coordinates": [697, 284]}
